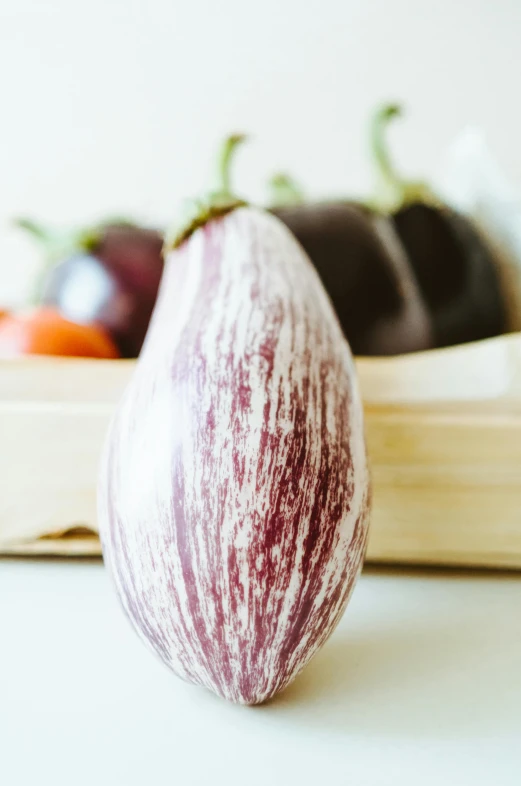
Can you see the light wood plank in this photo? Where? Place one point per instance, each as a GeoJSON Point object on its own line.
{"type": "Point", "coordinates": [443, 432]}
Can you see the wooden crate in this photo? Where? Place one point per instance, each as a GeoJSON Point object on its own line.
{"type": "Point", "coordinates": [443, 432]}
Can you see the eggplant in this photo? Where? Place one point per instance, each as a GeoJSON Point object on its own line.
{"type": "Point", "coordinates": [234, 490]}
{"type": "Point", "coordinates": [457, 273]}
{"type": "Point", "coordinates": [361, 263]}
{"type": "Point", "coordinates": [106, 275]}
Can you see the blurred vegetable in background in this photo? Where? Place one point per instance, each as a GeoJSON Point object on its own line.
{"type": "Point", "coordinates": [454, 266]}
{"type": "Point", "coordinates": [404, 271]}
{"type": "Point", "coordinates": [405, 275]}
{"type": "Point", "coordinates": [106, 275]}
{"type": "Point", "coordinates": [44, 331]}
{"type": "Point", "coordinates": [363, 268]}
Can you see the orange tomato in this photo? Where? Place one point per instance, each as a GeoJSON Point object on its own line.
{"type": "Point", "coordinates": [44, 331]}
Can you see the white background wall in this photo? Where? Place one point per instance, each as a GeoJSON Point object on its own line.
{"type": "Point", "coordinates": [117, 105]}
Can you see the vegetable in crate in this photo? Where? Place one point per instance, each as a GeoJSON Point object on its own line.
{"type": "Point", "coordinates": [364, 269]}
{"type": "Point", "coordinates": [108, 275]}
{"type": "Point", "coordinates": [455, 268]}
{"type": "Point", "coordinates": [44, 331]}
{"type": "Point", "coordinates": [234, 490]}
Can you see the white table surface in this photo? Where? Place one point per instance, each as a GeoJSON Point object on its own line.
{"type": "Point", "coordinates": [420, 685]}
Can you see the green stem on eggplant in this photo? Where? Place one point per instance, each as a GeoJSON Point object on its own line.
{"type": "Point", "coordinates": [217, 203]}
{"type": "Point", "coordinates": [392, 191]}
{"type": "Point", "coordinates": [284, 192]}
{"type": "Point", "coordinates": [38, 232]}
{"type": "Point", "coordinates": [226, 155]}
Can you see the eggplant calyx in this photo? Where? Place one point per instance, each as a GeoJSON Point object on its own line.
{"type": "Point", "coordinates": [219, 202]}
{"type": "Point", "coordinates": [284, 191]}
{"type": "Point", "coordinates": [392, 192]}
{"type": "Point", "coordinates": [89, 238]}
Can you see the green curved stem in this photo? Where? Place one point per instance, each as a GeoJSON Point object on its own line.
{"type": "Point", "coordinates": [217, 203]}
{"type": "Point", "coordinates": [228, 149]}
{"type": "Point", "coordinates": [284, 191]}
{"type": "Point", "coordinates": [386, 172]}
{"type": "Point", "coordinates": [37, 231]}
{"type": "Point", "coordinates": [392, 190]}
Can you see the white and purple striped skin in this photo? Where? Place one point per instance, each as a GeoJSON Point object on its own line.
{"type": "Point", "coordinates": [234, 491]}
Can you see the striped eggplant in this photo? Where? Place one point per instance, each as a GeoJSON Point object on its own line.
{"type": "Point", "coordinates": [234, 489]}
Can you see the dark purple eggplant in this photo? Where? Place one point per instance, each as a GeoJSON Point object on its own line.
{"type": "Point", "coordinates": [364, 269]}
{"type": "Point", "coordinates": [456, 270]}
{"type": "Point", "coordinates": [108, 275]}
